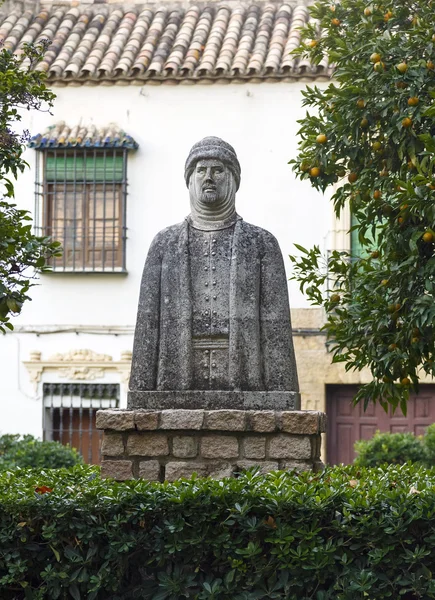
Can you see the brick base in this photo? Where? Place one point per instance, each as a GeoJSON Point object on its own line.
{"type": "Point", "coordinates": [160, 445]}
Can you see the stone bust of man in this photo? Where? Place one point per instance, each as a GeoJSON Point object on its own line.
{"type": "Point", "coordinates": [213, 310]}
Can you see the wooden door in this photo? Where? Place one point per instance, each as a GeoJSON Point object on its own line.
{"type": "Point", "coordinates": [347, 424]}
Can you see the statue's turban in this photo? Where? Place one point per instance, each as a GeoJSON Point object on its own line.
{"type": "Point", "coordinates": [212, 147]}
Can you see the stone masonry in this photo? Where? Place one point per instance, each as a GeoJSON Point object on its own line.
{"type": "Point", "coordinates": [170, 444]}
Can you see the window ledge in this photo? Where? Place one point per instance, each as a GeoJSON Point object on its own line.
{"type": "Point", "coordinates": [89, 271]}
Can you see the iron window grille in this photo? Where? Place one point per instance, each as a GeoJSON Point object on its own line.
{"type": "Point", "coordinates": [81, 202]}
{"type": "Point", "coordinates": [70, 412]}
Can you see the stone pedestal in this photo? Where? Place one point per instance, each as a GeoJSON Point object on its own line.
{"type": "Point", "coordinates": [161, 445]}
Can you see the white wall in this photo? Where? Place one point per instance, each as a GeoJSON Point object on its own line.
{"type": "Point", "coordinates": [259, 120]}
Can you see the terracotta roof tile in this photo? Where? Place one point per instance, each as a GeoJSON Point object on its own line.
{"type": "Point", "coordinates": [62, 135]}
{"type": "Point", "coordinates": [131, 43]}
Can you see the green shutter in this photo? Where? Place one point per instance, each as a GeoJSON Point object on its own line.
{"type": "Point", "coordinates": [78, 168]}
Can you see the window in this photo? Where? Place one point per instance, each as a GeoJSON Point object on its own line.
{"type": "Point", "coordinates": [70, 411]}
{"type": "Point", "coordinates": [81, 191]}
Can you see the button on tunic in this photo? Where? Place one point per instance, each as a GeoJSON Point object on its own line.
{"type": "Point", "coordinates": [210, 261]}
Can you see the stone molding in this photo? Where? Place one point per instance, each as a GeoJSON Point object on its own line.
{"type": "Point", "coordinates": [213, 399]}
{"type": "Point", "coordinates": [306, 422]}
{"type": "Point", "coordinates": [161, 445]}
{"type": "Point", "coordinates": [78, 365]}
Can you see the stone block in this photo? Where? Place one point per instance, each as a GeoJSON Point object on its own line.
{"type": "Point", "coordinates": [226, 420]}
{"type": "Point", "coordinates": [181, 419]}
{"type": "Point", "coordinates": [146, 420]}
{"type": "Point", "coordinates": [150, 470]}
{"type": "Point", "coordinates": [219, 446]}
{"type": "Point", "coordinates": [177, 470]}
{"type": "Point", "coordinates": [184, 446]}
{"type": "Point", "coordinates": [290, 447]}
{"type": "Point", "coordinates": [263, 420]}
{"type": "Point", "coordinates": [323, 422]}
{"type": "Point", "coordinates": [119, 420]}
{"type": "Point", "coordinates": [300, 422]}
{"type": "Point", "coordinates": [298, 466]}
{"type": "Point", "coordinates": [254, 447]}
{"type": "Point", "coordinates": [221, 470]}
{"type": "Point", "coordinates": [113, 444]}
{"type": "Point", "coordinates": [121, 470]}
{"type": "Point", "coordinates": [147, 444]}
{"type": "Point", "coordinates": [264, 466]}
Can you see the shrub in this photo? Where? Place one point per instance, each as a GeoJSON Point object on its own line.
{"type": "Point", "coordinates": [391, 448]}
{"type": "Point", "coordinates": [30, 452]}
{"type": "Point", "coordinates": [429, 444]}
{"type": "Point", "coordinates": [347, 533]}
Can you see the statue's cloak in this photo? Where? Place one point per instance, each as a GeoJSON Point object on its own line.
{"type": "Point", "coordinates": [261, 355]}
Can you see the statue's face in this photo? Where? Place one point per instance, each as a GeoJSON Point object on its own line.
{"type": "Point", "coordinates": [210, 182]}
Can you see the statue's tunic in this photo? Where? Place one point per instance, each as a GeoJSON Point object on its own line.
{"type": "Point", "coordinates": [252, 312]}
{"type": "Point", "coordinates": [210, 261]}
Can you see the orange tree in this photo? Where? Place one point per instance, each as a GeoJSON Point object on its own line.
{"type": "Point", "coordinates": [371, 137]}
{"type": "Point", "coordinates": [22, 253]}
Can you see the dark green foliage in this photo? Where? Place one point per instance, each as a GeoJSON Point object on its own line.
{"type": "Point", "coordinates": [22, 254]}
{"type": "Point", "coordinates": [391, 448]}
{"type": "Point", "coordinates": [346, 534]}
{"type": "Point", "coordinates": [27, 451]}
{"type": "Point", "coordinates": [378, 119]}
{"type": "Point", "coordinates": [429, 444]}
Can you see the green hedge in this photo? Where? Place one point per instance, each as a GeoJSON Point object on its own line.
{"type": "Point", "coordinates": [27, 451]}
{"type": "Point", "coordinates": [346, 534]}
{"type": "Point", "coordinates": [396, 448]}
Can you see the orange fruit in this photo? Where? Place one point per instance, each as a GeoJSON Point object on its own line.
{"type": "Point", "coordinates": [384, 282]}
{"type": "Point", "coordinates": [379, 67]}
{"type": "Point", "coordinates": [377, 146]}
{"type": "Point", "coordinates": [387, 209]}
{"type": "Point", "coordinates": [406, 122]}
{"type": "Point", "coordinates": [352, 177]}
{"type": "Point", "coordinates": [428, 237]}
{"type": "Point", "coordinates": [401, 85]}
{"type": "Point", "coordinates": [377, 194]}
{"type": "Point", "coordinates": [375, 254]}
{"type": "Point", "coordinates": [430, 65]}
{"type": "Point", "coordinates": [388, 15]}
{"type": "Point", "coordinates": [405, 381]}
{"type": "Point", "coordinates": [397, 306]}
{"type": "Point", "coordinates": [304, 167]}
{"type": "Point", "coordinates": [402, 67]}
{"type": "Point", "coordinates": [314, 171]}
{"type": "Point", "coordinates": [367, 12]}
{"type": "Point", "coordinates": [312, 43]}
{"type": "Point", "coordinates": [392, 347]}
{"type": "Point", "coordinates": [415, 340]}
{"type": "Point", "coordinates": [321, 138]}
{"type": "Point", "coordinates": [336, 22]}
{"type": "Point", "coordinates": [375, 57]}
{"type": "Point", "coordinates": [413, 101]}
{"type": "Point", "coordinates": [360, 103]}
{"type": "Point", "coordinates": [335, 298]}
{"type": "Point", "coordinates": [364, 123]}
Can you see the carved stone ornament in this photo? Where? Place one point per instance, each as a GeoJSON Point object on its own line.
{"type": "Point", "coordinates": [78, 365]}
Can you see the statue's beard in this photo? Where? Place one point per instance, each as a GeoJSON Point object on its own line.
{"type": "Point", "coordinates": [210, 197]}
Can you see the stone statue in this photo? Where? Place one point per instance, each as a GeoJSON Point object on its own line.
{"type": "Point", "coordinates": [213, 310]}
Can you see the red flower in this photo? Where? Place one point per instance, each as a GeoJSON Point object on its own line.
{"type": "Point", "coordinates": [43, 489]}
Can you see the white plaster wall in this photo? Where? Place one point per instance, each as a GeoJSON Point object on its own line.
{"type": "Point", "coordinates": [260, 120]}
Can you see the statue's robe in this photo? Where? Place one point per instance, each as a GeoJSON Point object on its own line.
{"type": "Point", "coordinates": [260, 347]}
